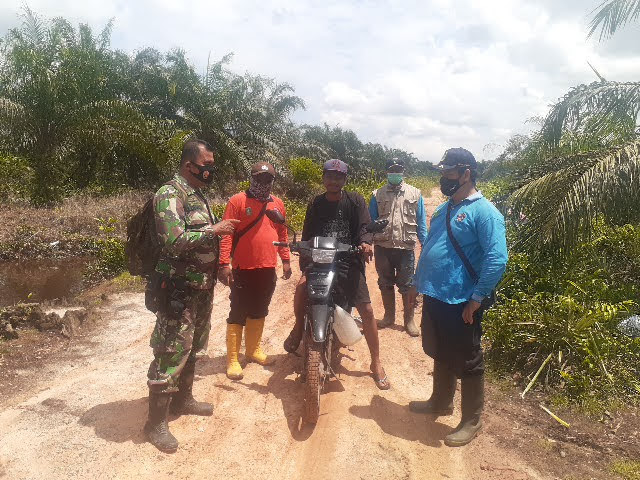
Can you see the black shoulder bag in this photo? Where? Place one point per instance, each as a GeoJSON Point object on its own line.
{"type": "Point", "coordinates": [490, 299]}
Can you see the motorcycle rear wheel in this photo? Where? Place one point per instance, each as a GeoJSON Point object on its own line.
{"type": "Point", "coordinates": [313, 385]}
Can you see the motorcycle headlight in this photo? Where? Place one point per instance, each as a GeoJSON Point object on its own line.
{"type": "Point", "coordinates": [322, 256]}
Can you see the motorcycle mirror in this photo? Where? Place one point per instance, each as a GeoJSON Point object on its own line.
{"type": "Point", "coordinates": [275, 216]}
{"type": "Point", "coordinates": [377, 226]}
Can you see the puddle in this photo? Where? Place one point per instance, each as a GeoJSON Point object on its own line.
{"type": "Point", "coordinates": [41, 279]}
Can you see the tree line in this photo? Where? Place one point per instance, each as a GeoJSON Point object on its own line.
{"type": "Point", "coordinates": [78, 115]}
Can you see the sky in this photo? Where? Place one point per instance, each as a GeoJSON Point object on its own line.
{"type": "Point", "coordinates": [421, 75]}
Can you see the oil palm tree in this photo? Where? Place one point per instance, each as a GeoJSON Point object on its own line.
{"type": "Point", "coordinates": [62, 108]}
{"type": "Point", "coordinates": [586, 157]}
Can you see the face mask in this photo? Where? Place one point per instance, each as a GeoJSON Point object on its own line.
{"type": "Point", "coordinates": [261, 191]}
{"type": "Point", "coordinates": [394, 178]}
{"type": "Point", "coordinates": [205, 173]}
{"type": "Point", "coordinates": [449, 186]}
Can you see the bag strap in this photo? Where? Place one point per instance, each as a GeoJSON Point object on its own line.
{"type": "Point", "coordinates": [458, 248]}
{"type": "Point", "coordinates": [203, 198]}
{"type": "Point", "coordinates": [237, 235]}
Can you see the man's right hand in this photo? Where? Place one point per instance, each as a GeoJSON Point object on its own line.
{"type": "Point", "coordinates": [225, 227]}
{"type": "Point", "coordinates": [224, 275]}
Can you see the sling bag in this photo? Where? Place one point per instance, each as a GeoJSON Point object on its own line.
{"type": "Point", "coordinates": [237, 235]}
{"type": "Point", "coordinates": [489, 299]}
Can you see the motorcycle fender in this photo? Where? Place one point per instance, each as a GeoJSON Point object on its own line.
{"type": "Point", "coordinates": [319, 322]}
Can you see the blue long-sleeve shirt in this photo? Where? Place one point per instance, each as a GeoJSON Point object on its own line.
{"type": "Point", "coordinates": [479, 228]}
{"type": "Point", "coordinates": [421, 217]}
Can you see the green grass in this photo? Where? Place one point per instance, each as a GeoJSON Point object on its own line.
{"type": "Point", "coordinates": [627, 469]}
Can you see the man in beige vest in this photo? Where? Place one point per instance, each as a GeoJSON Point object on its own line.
{"type": "Point", "coordinates": [402, 205]}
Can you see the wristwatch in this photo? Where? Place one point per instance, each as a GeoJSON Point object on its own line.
{"type": "Point", "coordinates": [210, 234]}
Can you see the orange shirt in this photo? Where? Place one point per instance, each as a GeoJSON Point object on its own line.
{"type": "Point", "coordinates": [255, 248]}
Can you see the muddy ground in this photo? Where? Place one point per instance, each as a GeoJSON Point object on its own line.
{"type": "Point", "coordinates": [80, 413]}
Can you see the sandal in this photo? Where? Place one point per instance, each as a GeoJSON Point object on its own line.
{"type": "Point", "coordinates": [292, 342]}
{"type": "Point", "coordinates": [381, 383]}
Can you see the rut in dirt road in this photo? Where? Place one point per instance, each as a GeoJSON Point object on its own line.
{"type": "Point", "coordinates": [85, 420]}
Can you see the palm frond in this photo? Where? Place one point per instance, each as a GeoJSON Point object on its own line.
{"type": "Point", "coordinates": [605, 110]}
{"type": "Point", "coordinates": [613, 14]}
{"type": "Point", "coordinates": [562, 206]}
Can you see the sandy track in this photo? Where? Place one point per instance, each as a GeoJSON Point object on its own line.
{"type": "Point", "coordinates": [86, 420]}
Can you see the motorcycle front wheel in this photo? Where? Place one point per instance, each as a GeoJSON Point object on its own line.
{"type": "Point", "coordinates": [313, 372]}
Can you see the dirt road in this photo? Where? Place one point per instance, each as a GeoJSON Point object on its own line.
{"type": "Point", "coordinates": [85, 420]}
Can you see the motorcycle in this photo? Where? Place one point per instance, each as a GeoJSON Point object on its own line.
{"type": "Point", "coordinates": [328, 324]}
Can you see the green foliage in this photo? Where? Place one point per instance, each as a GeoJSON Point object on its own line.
{"type": "Point", "coordinates": [305, 171]}
{"type": "Point", "coordinates": [217, 209]}
{"type": "Point", "coordinates": [425, 183]}
{"type": "Point", "coordinates": [110, 262]}
{"type": "Point", "coordinates": [296, 211]}
{"type": "Point", "coordinates": [570, 310]}
{"type": "Point", "coordinates": [627, 469]}
{"type": "Point", "coordinates": [365, 186]}
{"type": "Point", "coordinates": [16, 178]}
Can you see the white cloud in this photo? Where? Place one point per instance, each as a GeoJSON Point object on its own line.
{"type": "Point", "coordinates": [419, 75]}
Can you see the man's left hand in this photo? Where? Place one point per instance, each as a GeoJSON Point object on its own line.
{"type": "Point", "coordinates": [469, 309]}
{"type": "Point", "coordinates": [367, 251]}
{"type": "Point", "coordinates": [286, 270]}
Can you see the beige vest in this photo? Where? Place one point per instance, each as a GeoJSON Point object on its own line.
{"type": "Point", "coordinates": [400, 207]}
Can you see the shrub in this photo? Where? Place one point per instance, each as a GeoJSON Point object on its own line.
{"type": "Point", "coordinates": [16, 178]}
{"type": "Point", "coordinates": [568, 311]}
{"type": "Point", "coordinates": [305, 171]}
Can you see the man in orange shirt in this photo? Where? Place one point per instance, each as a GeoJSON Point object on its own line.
{"type": "Point", "coordinates": [253, 257]}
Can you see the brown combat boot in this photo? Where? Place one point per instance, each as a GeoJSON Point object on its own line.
{"type": "Point", "coordinates": [389, 303]}
{"type": "Point", "coordinates": [444, 388]}
{"type": "Point", "coordinates": [183, 402]}
{"type": "Point", "coordinates": [157, 429]}
{"type": "Point", "coordinates": [472, 402]}
{"type": "Point", "coordinates": [409, 325]}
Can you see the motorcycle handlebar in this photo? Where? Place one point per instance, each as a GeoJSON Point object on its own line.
{"type": "Point", "coordinates": [293, 246]}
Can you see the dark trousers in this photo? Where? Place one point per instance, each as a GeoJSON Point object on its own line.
{"type": "Point", "coordinates": [251, 294]}
{"type": "Point", "coordinates": [395, 266]}
{"type": "Point", "coordinates": [447, 339]}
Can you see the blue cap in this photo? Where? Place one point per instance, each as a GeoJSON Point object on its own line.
{"type": "Point", "coordinates": [457, 158]}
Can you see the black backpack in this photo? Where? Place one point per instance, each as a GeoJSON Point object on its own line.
{"type": "Point", "coordinates": [142, 248]}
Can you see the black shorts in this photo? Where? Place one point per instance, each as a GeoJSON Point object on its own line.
{"type": "Point", "coordinates": [251, 294]}
{"type": "Point", "coordinates": [355, 286]}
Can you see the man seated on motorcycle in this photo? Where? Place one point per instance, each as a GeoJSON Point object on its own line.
{"type": "Point", "coordinates": [344, 216]}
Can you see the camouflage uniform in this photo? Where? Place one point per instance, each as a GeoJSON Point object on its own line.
{"type": "Point", "coordinates": [189, 259]}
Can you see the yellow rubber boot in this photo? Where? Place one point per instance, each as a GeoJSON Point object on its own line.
{"type": "Point", "coordinates": [234, 339]}
{"type": "Point", "coordinates": [252, 339]}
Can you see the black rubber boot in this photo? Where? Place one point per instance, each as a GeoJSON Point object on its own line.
{"type": "Point", "coordinates": [408, 311]}
{"type": "Point", "coordinates": [444, 388]}
{"type": "Point", "coordinates": [389, 303]}
{"type": "Point", "coordinates": [183, 402]}
{"type": "Point", "coordinates": [472, 403]}
{"type": "Point", "coordinates": [157, 429]}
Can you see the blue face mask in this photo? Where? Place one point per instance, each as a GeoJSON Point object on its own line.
{"type": "Point", "coordinates": [394, 178]}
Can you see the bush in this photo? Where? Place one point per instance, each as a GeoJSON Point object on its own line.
{"type": "Point", "coordinates": [305, 171]}
{"type": "Point", "coordinates": [110, 262]}
{"type": "Point", "coordinates": [365, 186]}
{"type": "Point", "coordinates": [16, 178]}
{"type": "Point", "coordinates": [568, 311]}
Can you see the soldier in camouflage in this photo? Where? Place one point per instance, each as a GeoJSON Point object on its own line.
{"type": "Point", "coordinates": [187, 270]}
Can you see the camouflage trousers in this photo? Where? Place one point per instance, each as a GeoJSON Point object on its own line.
{"type": "Point", "coordinates": [178, 339]}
